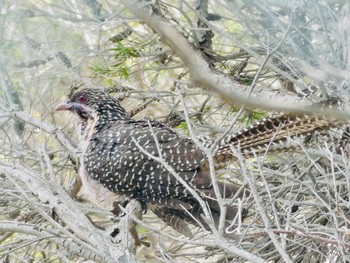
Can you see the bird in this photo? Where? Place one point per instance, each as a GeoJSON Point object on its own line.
{"type": "Point", "coordinates": [151, 162]}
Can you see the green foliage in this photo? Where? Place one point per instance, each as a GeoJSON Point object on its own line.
{"type": "Point", "coordinates": [141, 230]}
{"type": "Point", "coordinates": [117, 70]}
{"type": "Point", "coordinates": [120, 69]}
{"type": "Point", "coordinates": [124, 52]}
{"type": "Point", "coordinates": [183, 126]}
{"type": "Point", "coordinates": [249, 117]}
{"type": "Point", "coordinates": [104, 71]}
{"type": "Point", "coordinates": [255, 116]}
{"type": "Point", "coordinates": [246, 80]}
{"type": "Point", "coordinates": [123, 72]}
{"type": "Point", "coordinates": [206, 109]}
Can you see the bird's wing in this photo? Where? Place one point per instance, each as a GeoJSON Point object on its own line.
{"type": "Point", "coordinates": [122, 157]}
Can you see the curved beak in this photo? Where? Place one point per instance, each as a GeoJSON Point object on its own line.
{"type": "Point", "coordinates": [64, 106]}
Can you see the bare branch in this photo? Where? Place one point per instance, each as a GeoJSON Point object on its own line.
{"type": "Point", "coordinates": [204, 77]}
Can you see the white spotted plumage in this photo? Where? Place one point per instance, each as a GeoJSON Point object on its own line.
{"type": "Point", "coordinates": [111, 154]}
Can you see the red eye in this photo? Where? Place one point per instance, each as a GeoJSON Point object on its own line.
{"type": "Point", "coordinates": [82, 99]}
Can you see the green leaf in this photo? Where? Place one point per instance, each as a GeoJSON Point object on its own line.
{"type": "Point", "coordinates": [123, 72]}
{"type": "Point", "coordinates": [125, 52]}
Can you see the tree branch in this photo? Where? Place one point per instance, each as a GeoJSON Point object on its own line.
{"type": "Point", "coordinates": [206, 78]}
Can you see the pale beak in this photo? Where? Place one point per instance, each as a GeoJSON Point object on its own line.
{"type": "Point", "coordinates": [64, 106]}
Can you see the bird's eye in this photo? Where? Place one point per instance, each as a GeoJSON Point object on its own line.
{"type": "Point", "coordinates": [82, 98]}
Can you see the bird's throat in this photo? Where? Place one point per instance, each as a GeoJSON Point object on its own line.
{"type": "Point", "coordinates": [88, 128]}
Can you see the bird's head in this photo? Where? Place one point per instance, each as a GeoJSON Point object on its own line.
{"type": "Point", "coordinates": [87, 103]}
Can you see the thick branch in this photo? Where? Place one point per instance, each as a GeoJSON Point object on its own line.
{"type": "Point", "coordinates": [56, 199]}
{"type": "Point", "coordinates": [207, 78]}
{"type": "Point", "coordinates": [42, 233]}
